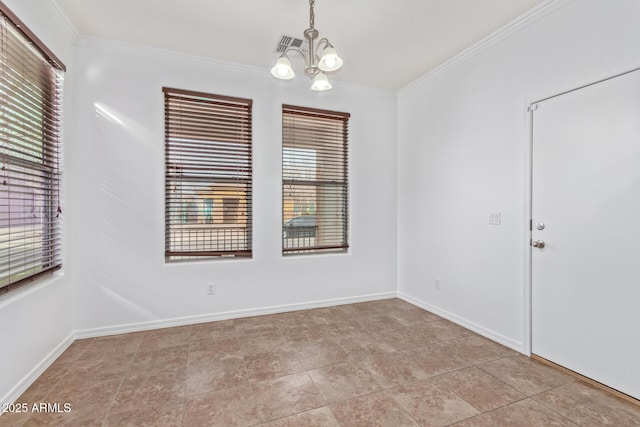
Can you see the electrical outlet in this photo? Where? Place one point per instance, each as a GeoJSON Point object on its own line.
{"type": "Point", "coordinates": [211, 288]}
{"type": "Point", "coordinates": [495, 218]}
{"type": "Point", "coordinates": [436, 284]}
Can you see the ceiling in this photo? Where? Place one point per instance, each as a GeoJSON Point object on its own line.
{"type": "Point", "coordinates": [384, 44]}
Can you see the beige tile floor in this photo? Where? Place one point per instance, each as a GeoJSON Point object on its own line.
{"type": "Point", "coordinates": [382, 363]}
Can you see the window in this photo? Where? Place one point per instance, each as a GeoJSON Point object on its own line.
{"type": "Point", "coordinates": [314, 181]}
{"type": "Point", "coordinates": [207, 175]}
{"type": "Point", "coordinates": [31, 80]}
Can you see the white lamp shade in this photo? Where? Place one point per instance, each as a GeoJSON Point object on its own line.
{"type": "Point", "coordinates": [330, 60]}
{"type": "Point", "coordinates": [282, 69]}
{"type": "Point", "coordinates": [320, 82]}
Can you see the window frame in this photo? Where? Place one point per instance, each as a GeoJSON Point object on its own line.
{"type": "Point", "coordinates": [313, 120]}
{"type": "Point", "coordinates": [31, 146]}
{"type": "Point", "coordinates": [208, 167]}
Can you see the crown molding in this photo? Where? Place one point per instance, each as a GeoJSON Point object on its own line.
{"type": "Point", "coordinates": [536, 13]}
{"type": "Point", "coordinates": [64, 21]}
{"type": "Point", "coordinates": [119, 46]}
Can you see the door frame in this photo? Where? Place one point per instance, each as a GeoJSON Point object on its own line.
{"type": "Point", "coordinates": [528, 208]}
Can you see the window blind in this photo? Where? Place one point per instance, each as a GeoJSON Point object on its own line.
{"type": "Point", "coordinates": [208, 175]}
{"type": "Point", "coordinates": [31, 79]}
{"type": "Point", "coordinates": [315, 190]}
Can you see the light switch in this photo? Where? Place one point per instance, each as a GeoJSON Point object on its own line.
{"type": "Point", "coordinates": [495, 218]}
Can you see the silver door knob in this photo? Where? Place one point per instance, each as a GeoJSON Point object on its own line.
{"type": "Point", "coordinates": [538, 244]}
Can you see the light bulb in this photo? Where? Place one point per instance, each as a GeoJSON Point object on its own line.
{"type": "Point", "coordinates": [282, 69]}
{"type": "Point", "coordinates": [320, 82]}
{"type": "Point", "coordinates": [330, 60]}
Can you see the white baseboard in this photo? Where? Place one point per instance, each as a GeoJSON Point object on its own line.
{"type": "Point", "coordinates": [33, 375]}
{"type": "Point", "coordinates": [492, 335]}
{"type": "Point", "coordinates": [29, 379]}
{"type": "Point", "coordinates": [190, 320]}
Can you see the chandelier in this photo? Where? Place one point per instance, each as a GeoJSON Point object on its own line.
{"type": "Point", "coordinates": [315, 66]}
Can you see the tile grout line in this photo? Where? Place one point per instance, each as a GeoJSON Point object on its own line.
{"type": "Point", "coordinates": [531, 397]}
{"type": "Point", "coordinates": [124, 377]}
{"type": "Point", "coordinates": [328, 332]}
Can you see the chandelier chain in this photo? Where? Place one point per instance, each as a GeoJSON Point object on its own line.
{"type": "Point", "coordinates": [312, 15]}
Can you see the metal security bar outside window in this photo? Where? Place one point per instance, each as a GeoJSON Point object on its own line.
{"type": "Point", "coordinates": [208, 176]}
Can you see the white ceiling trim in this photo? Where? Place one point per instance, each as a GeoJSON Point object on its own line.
{"type": "Point", "coordinates": [59, 15]}
{"type": "Point", "coordinates": [533, 15]}
{"type": "Point", "coordinates": [418, 34]}
{"type": "Point", "coordinates": [88, 41]}
{"type": "Point", "coordinates": [119, 46]}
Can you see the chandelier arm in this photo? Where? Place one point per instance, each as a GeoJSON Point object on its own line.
{"type": "Point", "coordinates": [296, 50]}
{"type": "Point", "coordinates": [319, 48]}
{"type": "Point", "coordinates": [310, 66]}
{"type": "Point", "coordinates": [326, 42]}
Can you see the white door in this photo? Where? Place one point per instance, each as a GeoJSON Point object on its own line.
{"type": "Point", "coordinates": [586, 209]}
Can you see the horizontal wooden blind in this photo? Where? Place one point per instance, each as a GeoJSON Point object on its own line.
{"type": "Point", "coordinates": [208, 177]}
{"type": "Point", "coordinates": [30, 102]}
{"type": "Point", "coordinates": [315, 190]}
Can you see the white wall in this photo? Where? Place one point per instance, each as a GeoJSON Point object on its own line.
{"type": "Point", "coordinates": [37, 322]}
{"type": "Point", "coordinates": [123, 282]}
{"type": "Point", "coordinates": [463, 152]}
